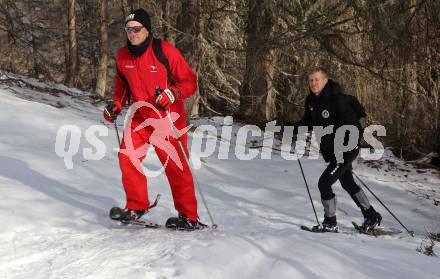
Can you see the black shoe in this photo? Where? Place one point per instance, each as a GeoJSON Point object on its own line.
{"type": "Point", "coordinates": [372, 219]}
{"type": "Point", "coordinates": [183, 223]}
{"type": "Point", "coordinates": [324, 227]}
{"type": "Point", "coordinates": [328, 225]}
{"type": "Point", "coordinates": [126, 215]}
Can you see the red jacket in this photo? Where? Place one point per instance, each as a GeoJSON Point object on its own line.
{"type": "Point", "coordinates": [144, 73]}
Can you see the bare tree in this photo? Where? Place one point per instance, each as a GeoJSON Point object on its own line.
{"type": "Point", "coordinates": [257, 100]}
{"type": "Point", "coordinates": [73, 60]}
{"type": "Point", "coordinates": [125, 9]}
{"type": "Point", "coordinates": [166, 29]}
{"type": "Point", "coordinates": [7, 26]}
{"type": "Point", "coordinates": [190, 26]}
{"type": "Point", "coordinates": [91, 36]}
{"type": "Point", "coordinates": [101, 80]}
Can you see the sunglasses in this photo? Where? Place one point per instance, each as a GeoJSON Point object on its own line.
{"type": "Point", "coordinates": [134, 29]}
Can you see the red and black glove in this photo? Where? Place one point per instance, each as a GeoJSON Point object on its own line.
{"type": "Point", "coordinates": [165, 99]}
{"type": "Point", "coordinates": [112, 110]}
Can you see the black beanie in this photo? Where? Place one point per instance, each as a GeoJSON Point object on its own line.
{"type": "Point", "coordinates": [140, 15]}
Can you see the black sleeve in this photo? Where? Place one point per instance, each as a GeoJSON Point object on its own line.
{"type": "Point", "coordinates": [346, 113]}
{"type": "Point", "coordinates": [307, 117]}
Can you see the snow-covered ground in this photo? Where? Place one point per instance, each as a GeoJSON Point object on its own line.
{"type": "Point", "coordinates": [55, 225]}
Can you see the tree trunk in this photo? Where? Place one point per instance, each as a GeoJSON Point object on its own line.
{"type": "Point", "coordinates": [72, 67]}
{"type": "Point", "coordinates": [103, 55]}
{"type": "Point", "coordinates": [190, 24]}
{"type": "Point", "coordinates": [88, 13]}
{"type": "Point", "coordinates": [125, 9]}
{"type": "Point", "coordinates": [33, 56]}
{"type": "Point", "coordinates": [166, 30]}
{"type": "Point", "coordinates": [257, 95]}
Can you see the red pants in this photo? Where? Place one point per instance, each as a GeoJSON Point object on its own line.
{"type": "Point", "coordinates": [135, 182]}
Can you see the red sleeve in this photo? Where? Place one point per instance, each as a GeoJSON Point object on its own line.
{"type": "Point", "coordinates": [121, 90]}
{"type": "Point", "coordinates": [185, 80]}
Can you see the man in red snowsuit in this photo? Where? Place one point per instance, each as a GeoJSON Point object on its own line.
{"type": "Point", "coordinates": [143, 77]}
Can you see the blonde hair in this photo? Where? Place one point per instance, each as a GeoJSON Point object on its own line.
{"type": "Point", "coordinates": [318, 69]}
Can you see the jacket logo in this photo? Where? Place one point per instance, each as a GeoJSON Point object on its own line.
{"type": "Point", "coordinates": [153, 68]}
{"type": "Point", "coordinates": [129, 66]}
{"type": "Point", "coordinates": [325, 113]}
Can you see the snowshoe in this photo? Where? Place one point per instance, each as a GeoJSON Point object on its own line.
{"type": "Point", "coordinates": [125, 215]}
{"type": "Point", "coordinates": [372, 219]}
{"type": "Point", "coordinates": [325, 227]}
{"type": "Point", "coordinates": [183, 223]}
{"type": "Point", "coordinates": [328, 225]}
{"type": "Point", "coordinates": [377, 231]}
{"type": "Point", "coordinates": [128, 215]}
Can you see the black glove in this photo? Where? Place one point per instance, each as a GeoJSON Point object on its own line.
{"type": "Point", "coordinates": [112, 110]}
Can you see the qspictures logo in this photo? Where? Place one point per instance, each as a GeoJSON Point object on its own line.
{"type": "Point", "coordinates": [160, 132]}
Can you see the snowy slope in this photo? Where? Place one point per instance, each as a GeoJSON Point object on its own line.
{"type": "Point", "coordinates": [55, 225]}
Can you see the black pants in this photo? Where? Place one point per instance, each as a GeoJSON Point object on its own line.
{"type": "Point", "coordinates": [335, 171]}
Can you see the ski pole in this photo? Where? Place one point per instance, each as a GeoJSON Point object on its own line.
{"type": "Point", "coordinates": [117, 133]}
{"type": "Point", "coordinates": [377, 198]}
{"type": "Point", "coordinates": [199, 189]}
{"type": "Point", "coordinates": [308, 191]}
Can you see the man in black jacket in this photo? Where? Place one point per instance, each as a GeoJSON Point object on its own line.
{"type": "Point", "coordinates": [327, 105]}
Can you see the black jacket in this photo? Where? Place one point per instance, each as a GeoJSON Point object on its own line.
{"type": "Point", "coordinates": [330, 107]}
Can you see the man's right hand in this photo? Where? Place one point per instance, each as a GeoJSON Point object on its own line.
{"type": "Point", "coordinates": [112, 110]}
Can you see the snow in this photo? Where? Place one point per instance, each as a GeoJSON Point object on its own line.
{"type": "Point", "coordinates": [55, 222]}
